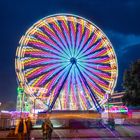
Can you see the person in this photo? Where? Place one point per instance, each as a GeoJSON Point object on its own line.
{"type": "Point", "coordinates": [21, 129]}
{"type": "Point", "coordinates": [50, 130]}
{"type": "Point", "coordinates": [29, 127]}
{"type": "Point", "coordinates": [112, 124]}
{"type": "Point", "coordinates": [47, 128]}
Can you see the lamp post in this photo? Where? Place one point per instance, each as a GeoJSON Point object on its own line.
{"type": "Point", "coordinates": [34, 106]}
{"type": "Point", "coordinates": [109, 99]}
{"type": "Point", "coordinates": [21, 92]}
{"type": "Point", "coordinates": [108, 106]}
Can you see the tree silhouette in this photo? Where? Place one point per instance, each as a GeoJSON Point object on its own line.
{"type": "Point", "coordinates": [131, 84]}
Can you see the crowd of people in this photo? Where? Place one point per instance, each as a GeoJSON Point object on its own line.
{"type": "Point", "coordinates": [24, 127]}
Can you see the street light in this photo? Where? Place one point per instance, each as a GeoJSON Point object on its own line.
{"type": "Point", "coordinates": [21, 92]}
{"type": "Point", "coordinates": [108, 105]}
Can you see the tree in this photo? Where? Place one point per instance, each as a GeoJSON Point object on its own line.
{"type": "Point", "coordinates": [131, 84]}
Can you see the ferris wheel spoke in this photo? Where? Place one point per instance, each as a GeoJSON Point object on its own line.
{"type": "Point", "coordinates": [38, 54]}
{"type": "Point", "coordinates": [43, 60]}
{"type": "Point", "coordinates": [47, 79]}
{"type": "Point", "coordinates": [61, 35]}
{"type": "Point", "coordinates": [55, 73]}
{"type": "Point", "coordinates": [65, 29]}
{"type": "Point", "coordinates": [83, 90]}
{"type": "Point", "coordinates": [73, 28]}
{"type": "Point", "coordinates": [97, 53]}
{"type": "Point", "coordinates": [56, 80]}
{"type": "Point", "coordinates": [69, 87]}
{"type": "Point", "coordinates": [83, 102]}
{"type": "Point", "coordinates": [34, 62]}
{"type": "Point", "coordinates": [37, 41]}
{"type": "Point", "coordinates": [101, 75]}
{"type": "Point", "coordinates": [73, 87]}
{"type": "Point", "coordinates": [95, 48]}
{"type": "Point", "coordinates": [90, 90]}
{"type": "Point", "coordinates": [82, 41]}
{"type": "Point", "coordinates": [68, 91]}
{"type": "Point", "coordinates": [44, 67]}
{"type": "Point", "coordinates": [90, 42]}
{"type": "Point", "coordinates": [47, 40]}
{"type": "Point", "coordinates": [31, 72]}
{"type": "Point", "coordinates": [60, 88]}
{"type": "Point", "coordinates": [46, 48]}
{"type": "Point", "coordinates": [57, 42]}
{"type": "Point", "coordinates": [67, 33]}
{"type": "Point", "coordinates": [99, 68]}
{"type": "Point", "coordinates": [91, 51]}
{"type": "Point", "coordinates": [52, 33]}
{"type": "Point", "coordinates": [96, 65]}
{"type": "Point", "coordinates": [73, 35]}
{"type": "Point", "coordinates": [53, 46]}
{"type": "Point", "coordinates": [47, 58]}
{"type": "Point", "coordinates": [55, 70]}
{"type": "Point", "coordinates": [86, 36]}
{"type": "Point", "coordinates": [97, 80]}
{"type": "Point", "coordinates": [99, 85]}
{"type": "Point", "coordinates": [79, 37]}
{"type": "Point", "coordinates": [65, 36]}
{"type": "Point", "coordinates": [56, 39]}
{"type": "Point", "coordinates": [58, 77]}
{"type": "Point", "coordinates": [104, 60]}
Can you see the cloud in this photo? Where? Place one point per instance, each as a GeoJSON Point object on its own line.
{"type": "Point", "coordinates": [127, 48]}
{"type": "Point", "coordinates": [122, 42]}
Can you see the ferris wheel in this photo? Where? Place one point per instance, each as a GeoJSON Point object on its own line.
{"type": "Point", "coordinates": [67, 57]}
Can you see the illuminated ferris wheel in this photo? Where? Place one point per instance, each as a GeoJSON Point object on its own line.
{"type": "Point", "coordinates": [68, 58]}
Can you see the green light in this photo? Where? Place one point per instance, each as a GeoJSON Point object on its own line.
{"type": "Point", "coordinates": [20, 90]}
{"type": "Point", "coordinates": [122, 110]}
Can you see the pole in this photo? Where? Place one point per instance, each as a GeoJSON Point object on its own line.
{"type": "Point", "coordinates": [34, 106]}
{"type": "Point", "coordinates": [21, 104]}
{"type": "Point", "coordinates": [108, 107]}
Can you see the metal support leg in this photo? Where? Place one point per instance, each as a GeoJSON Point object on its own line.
{"type": "Point", "coordinates": [98, 107]}
{"type": "Point", "coordinates": [55, 98]}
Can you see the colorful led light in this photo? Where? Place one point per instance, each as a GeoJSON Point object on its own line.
{"type": "Point", "coordinates": [69, 54]}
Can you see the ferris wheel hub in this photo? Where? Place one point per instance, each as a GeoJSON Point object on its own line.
{"type": "Point", "coordinates": [73, 60]}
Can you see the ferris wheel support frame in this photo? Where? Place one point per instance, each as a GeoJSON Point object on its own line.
{"type": "Point", "coordinates": [97, 106]}
{"type": "Point", "coordinates": [55, 98]}
{"type": "Point", "coordinates": [65, 36]}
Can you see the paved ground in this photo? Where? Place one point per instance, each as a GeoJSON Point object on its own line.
{"type": "Point", "coordinates": [120, 133]}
